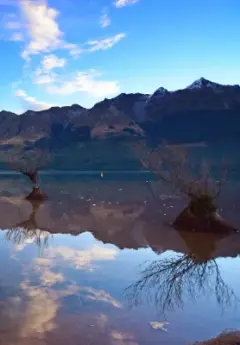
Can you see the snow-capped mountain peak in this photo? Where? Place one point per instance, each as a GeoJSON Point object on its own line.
{"type": "Point", "coordinates": [157, 95]}
{"type": "Point", "coordinates": [160, 91]}
{"type": "Point", "coordinates": [204, 83]}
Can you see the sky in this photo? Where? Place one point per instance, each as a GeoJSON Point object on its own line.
{"type": "Point", "coordinates": [63, 52]}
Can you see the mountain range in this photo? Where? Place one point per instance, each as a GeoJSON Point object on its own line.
{"type": "Point", "coordinates": [202, 112]}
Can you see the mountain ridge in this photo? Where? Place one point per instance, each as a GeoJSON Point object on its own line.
{"type": "Point", "coordinates": [198, 83]}
{"type": "Point", "coordinates": [203, 111]}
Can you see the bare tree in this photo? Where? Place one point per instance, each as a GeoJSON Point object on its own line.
{"type": "Point", "coordinates": [29, 163]}
{"type": "Point", "coordinates": [173, 165]}
{"type": "Point", "coordinates": [168, 282]}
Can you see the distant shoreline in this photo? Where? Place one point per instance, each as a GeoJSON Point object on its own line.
{"type": "Point", "coordinates": [197, 144]}
{"type": "Point", "coordinates": [80, 172]}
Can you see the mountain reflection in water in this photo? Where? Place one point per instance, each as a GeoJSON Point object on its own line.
{"type": "Point", "coordinates": [101, 246]}
{"type": "Point", "coordinates": [131, 225]}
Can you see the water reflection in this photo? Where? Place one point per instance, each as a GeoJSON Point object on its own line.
{"type": "Point", "coordinates": [28, 231]}
{"type": "Point", "coordinates": [168, 282]}
{"type": "Point", "coordinates": [165, 281]}
{"type": "Point", "coordinates": [47, 295]}
{"type": "Point", "coordinates": [172, 279]}
{"type": "Point", "coordinates": [125, 224]}
{"type": "Point", "coordinates": [84, 259]}
{"type": "Point", "coordinates": [75, 289]}
{"type": "Point", "coordinates": [32, 314]}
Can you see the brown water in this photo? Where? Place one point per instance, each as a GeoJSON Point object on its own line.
{"type": "Point", "coordinates": [99, 261]}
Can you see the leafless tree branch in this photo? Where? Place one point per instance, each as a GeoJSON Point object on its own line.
{"type": "Point", "coordinates": [168, 282]}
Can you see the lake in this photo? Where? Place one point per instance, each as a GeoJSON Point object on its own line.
{"type": "Point", "coordinates": [99, 261]}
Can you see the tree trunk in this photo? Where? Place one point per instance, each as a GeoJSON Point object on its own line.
{"type": "Point", "coordinates": [36, 194]}
{"type": "Point", "coordinates": [212, 222]}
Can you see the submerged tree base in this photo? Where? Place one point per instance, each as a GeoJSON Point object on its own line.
{"type": "Point", "coordinates": [226, 338]}
{"type": "Point", "coordinates": [213, 222]}
{"type": "Point", "coordinates": [36, 195]}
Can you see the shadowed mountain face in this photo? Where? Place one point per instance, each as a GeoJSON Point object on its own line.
{"type": "Point", "coordinates": [204, 111]}
{"type": "Point", "coordinates": [34, 125]}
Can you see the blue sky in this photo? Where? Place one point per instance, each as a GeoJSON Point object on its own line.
{"type": "Point", "coordinates": [60, 52]}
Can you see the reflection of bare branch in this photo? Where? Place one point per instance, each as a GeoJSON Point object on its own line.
{"type": "Point", "coordinates": [21, 235]}
{"type": "Point", "coordinates": [29, 230]}
{"type": "Point", "coordinates": [166, 282]}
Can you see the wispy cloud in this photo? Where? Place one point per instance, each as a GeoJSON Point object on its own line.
{"type": "Point", "coordinates": [104, 44]}
{"type": "Point", "coordinates": [42, 29]}
{"type": "Point", "coordinates": [82, 81]}
{"type": "Point", "coordinates": [31, 102]}
{"type": "Point", "coordinates": [41, 77]}
{"type": "Point", "coordinates": [84, 259]}
{"type": "Point", "coordinates": [122, 3]}
{"type": "Point", "coordinates": [100, 295]}
{"type": "Point", "coordinates": [13, 25]}
{"type": "Point", "coordinates": [39, 28]}
{"type": "Point", "coordinates": [17, 37]}
{"type": "Point", "coordinates": [51, 61]}
{"type": "Point", "coordinates": [44, 74]}
{"type": "Point", "coordinates": [74, 49]}
{"type": "Point", "coordinates": [87, 82]}
{"type": "Point", "coordinates": [105, 20]}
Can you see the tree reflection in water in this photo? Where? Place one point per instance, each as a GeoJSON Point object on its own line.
{"type": "Point", "coordinates": [29, 231]}
{"type": "Point", "coordinates": [168, 282]}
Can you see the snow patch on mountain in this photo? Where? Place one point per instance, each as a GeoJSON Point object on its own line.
{"type": "Point", "coordinates": [204, 83]}
{"type": "Point", "coordinates": [160, 91]}
{"type": "Point", "coordinates": [158, 95]}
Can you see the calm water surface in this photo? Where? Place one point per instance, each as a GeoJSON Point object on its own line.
{"type": "Point", "coordinates": [99, 261]}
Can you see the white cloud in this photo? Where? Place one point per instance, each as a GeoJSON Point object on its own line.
{"type": "Point", "coordinates": [100, 295]}
{"type": "Point", "coordinates": [33, 315]}
{"type": "Point", "coordinates": [83, 259]}
{"type": "Point", "coordinates": [43, 30]}
{"type": "Point", "coordinates": [51, 61]}
{"type": "Point", "coordinates": [122, 3]}
{"type": "Point", "coordinates": [17, 37]}
{"type": "Point", "coordinates": [105, 20]}
{"type": "Point", "coordinates": [13, 25]}
{"type": "Point", "coordinates": [104, 44]}
{"type": "Point", "coordinates": [42, 77]}
{"type": "Point", "coordinates": [74, 49]}
{"type": "Point", "coordinates": [85, 82]}
{"type": "Point", "coordinates": [31, 102]}
{"type": "Point", "coordinates": [44, 74]}
{"type": "Point", "coordinates": [49, 278]}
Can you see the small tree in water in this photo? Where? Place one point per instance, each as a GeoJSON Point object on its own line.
{"type": "Point", "coordinates": [172, 165]}
{"type": "Point", "coordinates": [29, 163]}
